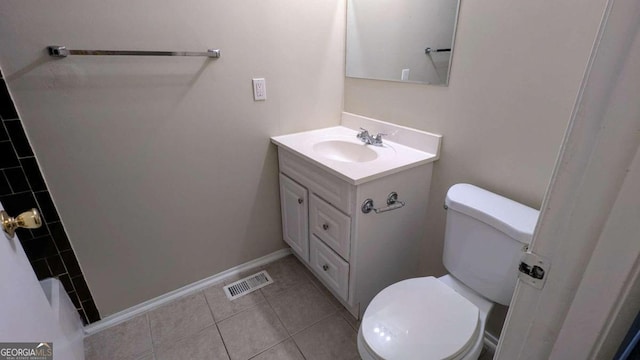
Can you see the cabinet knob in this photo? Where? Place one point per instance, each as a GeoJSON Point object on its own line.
{"type": "Point", "coordinates": [325, 226]}
{"type": "Point", "coordinates": [300, 201]}
{"type": "Point", "coordinates": [325, 267]}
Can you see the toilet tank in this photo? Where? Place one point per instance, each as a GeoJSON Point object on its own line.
{"type": "Point", "coordinates": [485, 237]}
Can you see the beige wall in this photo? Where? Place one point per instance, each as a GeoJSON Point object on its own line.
{"type": "Point", "coordinates": [516, 70]}
{"type": "Point", "coordinates": [161, 167]}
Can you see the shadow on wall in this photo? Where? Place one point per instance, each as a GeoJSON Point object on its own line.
{"type": "Point", "coordinates": [264, 220]}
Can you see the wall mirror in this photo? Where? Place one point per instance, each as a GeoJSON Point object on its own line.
{"type": "Point", "coordinates": [401, 40]}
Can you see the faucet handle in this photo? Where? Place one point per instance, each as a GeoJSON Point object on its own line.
{"type": "Point", "coordinates": [364, 133]}
{"type": "Point", "coordinates": [377, 140]}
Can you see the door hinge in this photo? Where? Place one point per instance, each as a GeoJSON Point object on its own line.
{"type": "Point", "coordinates": [533, 269]}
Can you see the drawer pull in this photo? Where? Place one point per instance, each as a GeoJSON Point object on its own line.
{"type": "Point", "coordinates": [300, 201]}
{"type": "Point", "coordinates": [325, 267]}
{"type": "Point", "coordinates": [325, 226]}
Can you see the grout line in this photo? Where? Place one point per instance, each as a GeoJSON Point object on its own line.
{"type": "Point", "coordinates": [315, 323]}
{"type": "Point", "coordinates": [236, 313]}
{"type": "Point", "coordinates": [222, 339]}
{"type": "Point", "coordinates": [183, 336]}
{"type": "Point", "coordinates": [4, 175]}
{"type": "Point", "coordinates": [271, 347]}
{"type": "Point", "coordinates": [239, 312]}
{"type": "Point", "coordinates": [277, 316]}
{"type": "Point", "coordinates": [334, 312]}
{"type": "Point", "coordinates": [265, 300]}
{"type": "Point", "coordinates": [13, 146]}
{"type": "Point", "coordinates": [298, 347]}
{"type": "Point", "coordinates": [153, 348]}
{"type": "Point", "coordinates": [10, 167]}
{"type": "Point", "coordinates": [215, 323]}
{"type": "Point", "coordinates": [18, 193]}
{"type": "Point", "coordinates": [308, 280]}
{"type": "Point", "coordinates": [208, 306]}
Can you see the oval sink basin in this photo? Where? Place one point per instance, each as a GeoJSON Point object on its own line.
{"type": "Point", "coordinates": [345, 151]}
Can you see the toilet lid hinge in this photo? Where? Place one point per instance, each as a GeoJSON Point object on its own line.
{"type": "Point", "coordinates": [533, 270]}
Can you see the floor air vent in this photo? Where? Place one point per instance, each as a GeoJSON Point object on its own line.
{"type": "Point", "coordinates": [247, 285]}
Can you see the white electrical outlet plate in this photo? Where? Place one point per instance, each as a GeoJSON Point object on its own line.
{"type": "Point", "coordinates": [259, 89]}
{"type": "Point", "coordinates": [405, 75]}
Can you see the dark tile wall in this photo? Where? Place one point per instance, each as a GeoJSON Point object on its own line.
{"type": "Point", "coordinates": [22, 188]}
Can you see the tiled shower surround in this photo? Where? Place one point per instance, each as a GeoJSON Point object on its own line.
{"type": "Point", "coordinates": [22, 187]}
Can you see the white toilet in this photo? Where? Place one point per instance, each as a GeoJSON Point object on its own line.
{"type": "Point", "coordinates": [444, 318]}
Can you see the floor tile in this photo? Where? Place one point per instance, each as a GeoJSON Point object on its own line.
{"type": "Point", "coordinates": [286, 272]}
{"type": "Point", "coordinates": [286, 350]}
{"type": "Point", "coordinates": [323, 289]}
{"type": "Point", "coordinates": [123, 341]}
{"type": "Point", "coordinates": [223, 308]}
{"type": "Point", "coordinates": [180, 318]}
{"type": "Point", "coordinates": [330, 339]}
{"type": "Point", "coordinates": [250, 332]}
{"type": "Point", "coordinates": [205, 345]}
{"type": "Point", "coordinates": [301, 306]}
{"type": "Point", "coordinates": [148, 356]}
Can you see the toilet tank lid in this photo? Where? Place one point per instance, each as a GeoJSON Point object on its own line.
{"type": "Point", "coordinates": [512, 218]}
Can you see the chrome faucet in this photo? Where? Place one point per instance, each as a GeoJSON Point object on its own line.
{"type": "Point", "coordinates": [366, 138]}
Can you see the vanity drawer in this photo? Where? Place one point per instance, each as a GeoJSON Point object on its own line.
{"type": "Point", "coordinates": [331, 188]}
{"type": "Point", "coordinates": [330, 267]}
{"type": "Point", "coordinates": [330, 225]}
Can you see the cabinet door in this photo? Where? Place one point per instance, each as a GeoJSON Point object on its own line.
{"type": "Point", "coordinates": [295, 216]}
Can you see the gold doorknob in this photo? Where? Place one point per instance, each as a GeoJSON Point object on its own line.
{"type": "Point", "coordinates": [28, 220]}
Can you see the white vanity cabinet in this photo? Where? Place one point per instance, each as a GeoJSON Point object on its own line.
{"type": "Point", "coordinates": [355, 255]}
{"type": "Point", "coordinates": [355, 214]}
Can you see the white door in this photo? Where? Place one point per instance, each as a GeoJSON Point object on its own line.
{"type": "Point", "coordinates": [25, 312]}
{"type": "Point", "coordinates": [588, 228]}
{"type": "Point", "coordinates": [295, 216]}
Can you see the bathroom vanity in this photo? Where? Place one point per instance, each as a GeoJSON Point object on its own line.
{"type": "Point", "coordinates": [354, 213]}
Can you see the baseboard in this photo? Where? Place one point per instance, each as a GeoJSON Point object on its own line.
{"type": "Point", "coordinates": [192, 288]}
{"type": "Point", "coordinates": [490, 341]}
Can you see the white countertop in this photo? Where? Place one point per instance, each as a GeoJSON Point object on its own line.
{"type": "Point", "coordinates": [392, 157]}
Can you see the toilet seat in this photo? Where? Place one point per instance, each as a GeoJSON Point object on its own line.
{"type": "Point", "coordinates": [420, 319]}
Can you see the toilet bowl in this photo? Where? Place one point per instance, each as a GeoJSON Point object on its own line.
{"type": "Point", "coordinates": [424, 318]}
{"type": "Point", "coordinates": [444, 318]}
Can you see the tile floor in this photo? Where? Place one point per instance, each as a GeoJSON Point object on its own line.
{"type": "Point", "coordinates": [293, 318]}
